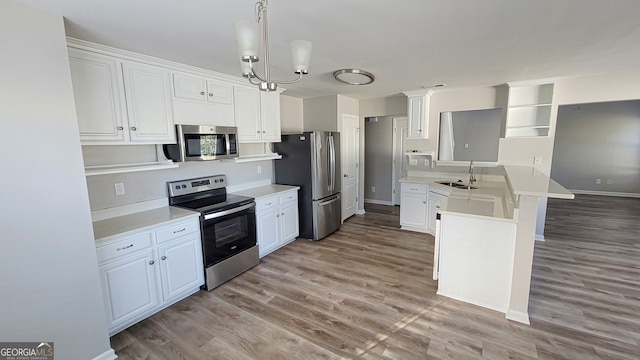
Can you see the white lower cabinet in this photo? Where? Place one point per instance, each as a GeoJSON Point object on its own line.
{"type": "Point", "coordinates": [144, 272]}
{"type": "Point", "coordinates": [277, 221]}
{"type": "Point", "coordinates": [413, 206]}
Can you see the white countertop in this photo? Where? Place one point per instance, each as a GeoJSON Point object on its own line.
{"type": "Point", "coordinates": [526, 180]}
{"type": "Point", "coordinates": [490, 199]}
{"type": "Point", "coordinates": [265, 191]}
{"type": "Point", "coordinates": [120, 225]}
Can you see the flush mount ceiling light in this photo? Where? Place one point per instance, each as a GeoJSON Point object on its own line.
{"type": "Point", "coordinates": [247, 34]}
{"type": "Point", "coordinates": [354, 76]}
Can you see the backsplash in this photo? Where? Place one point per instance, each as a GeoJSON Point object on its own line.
{"type": "Point", "coordinates": [152, 185]}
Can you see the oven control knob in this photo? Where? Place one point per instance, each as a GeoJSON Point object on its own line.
{"type": "Point", "coordinates": [184, 186]}
{"type": "Point", "coordinates": [177, 186]}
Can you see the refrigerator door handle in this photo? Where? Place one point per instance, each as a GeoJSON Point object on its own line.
{"type": "Point", "coordinates": [332, 164]}
{"type": "Point", "coordinates": [327, 202]}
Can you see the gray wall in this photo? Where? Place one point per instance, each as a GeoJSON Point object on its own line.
{"type": "Point", "coordinates": [48, 264]}
{"type": "Point", "coordinates": [598, 141]}
{"type": "Point", "coordinates": [320, 113]}
{"type": "Point", "coordinates": [378, 158]}
{"type": "Point", "coordinates": [151, 185]}
{"type": "Point", "coordinates": [480, 130]}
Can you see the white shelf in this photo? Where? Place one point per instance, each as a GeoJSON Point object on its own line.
{"type": "Point", "coordinates": [263, 157]}
{"type": "Point", "coordinates": [124, 168]}
{"type": "Point", "coordinates": [430, 154]}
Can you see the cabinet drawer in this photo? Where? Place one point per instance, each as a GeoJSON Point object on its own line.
{"type": "Point", "coordinates": [177, 230]}
{"type": "Point", "coordinates": [290, 196]}
{"type": "Point", "coordinates": [266, 203]}
{"type": "Point", "coordinates": [414, 188]}
{"type": "Point", "coordinates": [124, 247]}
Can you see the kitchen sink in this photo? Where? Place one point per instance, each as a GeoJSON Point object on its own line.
{"type": "Point", "coordinates": [457, 185]}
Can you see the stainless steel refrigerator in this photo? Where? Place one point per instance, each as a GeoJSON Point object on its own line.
{"type": "Point", "coordinates": [311, 160]}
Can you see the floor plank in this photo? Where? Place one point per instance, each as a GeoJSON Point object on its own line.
{"type": "Point", "coordinates": [366, 292]}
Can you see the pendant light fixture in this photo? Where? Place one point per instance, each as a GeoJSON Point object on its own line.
{"type": "Point", "coordinates": [247, 36]}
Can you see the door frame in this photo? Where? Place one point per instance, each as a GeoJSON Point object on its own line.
{"type": "Point", "coordinates": [395, 190]}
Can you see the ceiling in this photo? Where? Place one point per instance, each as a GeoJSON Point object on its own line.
{"type": "Point", "coordinates": [407, 44]}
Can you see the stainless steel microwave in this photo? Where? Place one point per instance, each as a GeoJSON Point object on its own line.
{"type": "Point", "coordinates": [202, 143]}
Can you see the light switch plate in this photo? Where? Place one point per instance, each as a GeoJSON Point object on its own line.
{"type": "Point", "coordinates": [119, 188]}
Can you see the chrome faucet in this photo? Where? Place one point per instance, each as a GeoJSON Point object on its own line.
{"type": "Point", "coordinates": [472, 177]}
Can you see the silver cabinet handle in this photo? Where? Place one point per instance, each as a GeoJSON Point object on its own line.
{"type": "Point", "coordinates": [201, 92]}
{"type": "Point", "coordinates": [163, 258]}
{"type": "Point", "coordinates": [151, 262]}
{"type": "Point", "coordinates": [125, 247]}
{"type": "Point", "coordinates": [345, 175]}
{"type": "Point", "coordinates": [181, 230]}
{"type": "Point", "coordinates": [134, 128]}
{"type": "Point", "coordinates": [120, 128]}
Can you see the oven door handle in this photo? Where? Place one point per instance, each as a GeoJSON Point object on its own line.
{"type": "Point", "coordinates": [230, 211]}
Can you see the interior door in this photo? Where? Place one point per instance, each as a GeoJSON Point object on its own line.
{"type": "Point", "coordinates": [399, 168]}
{"type": "Point", "coordinates": [350, 135]}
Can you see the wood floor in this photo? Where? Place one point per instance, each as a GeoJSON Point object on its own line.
{"type": "Point", "coordinates": [366, 292]}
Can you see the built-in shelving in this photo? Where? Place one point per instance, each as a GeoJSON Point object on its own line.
{"type": "Point", "coordinates": [423, 155]}
{"type": "Point", "coordinates": [529, 110]}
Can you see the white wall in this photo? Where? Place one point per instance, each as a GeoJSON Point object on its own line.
{"type": "Point", "coordinates": [48, 265]}
{"type": "Point", "coordinates": [291, 115]}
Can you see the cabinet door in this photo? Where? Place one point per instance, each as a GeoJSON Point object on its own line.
{"type": "Point", "coordinates": [270, 113]}
{"type": "Point", "coordinates": [268, 231]}
{"type": "Point", "coordinates": [289, 220]}
{"type": "Point", "coordinates": [413, 211]}
{"type": "Point", "coordinates": [148, 93]}
{"type": "Point", "coordinates": [417, 114]}
{"type": "Point", "coordinates": [99, 96]}
{"type": "Point", "coordinates": [247, 113]}
{"type": "Point", "coordinates": [181, 266]}
{"type": "Point", "coordinates": [129, 287]}
{"type": "Point", "coordinates": [219, 92]}
{"type": "Point", "coordinates": [189, 87]}
{"type": "Point", "coordinates": [435, 203]}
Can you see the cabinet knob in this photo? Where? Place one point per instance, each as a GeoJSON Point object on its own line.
{"type": "Point", "coordinates": [151, 262]}
{"type": "Point", "coordinates": [345, 175]}
{"type": "Point", "coordinates": [163, 258]}
{"type": "Point", "coordinates": [282, 214]}
{"type": "Point", "coordinates": [424, 202]}
{"type": "Point", "coordinates": [201, 92]}
{"type": "Point", "coordinates": [264, 132]}
{"type": "Point", "coordinates": [258, 132]}
{"type": "Point", "coordinates": [419, 130]}
{"type": "Point", "coordinates": [210, 94]}
{"type": "Point", "coordinates": [133, 128]}
{"type": "Point", "coordinates": [277, 215]}
{"type": "Point", "coordinates": [120, 128]}
{"type": "Point", "coordinates": [437, 206]}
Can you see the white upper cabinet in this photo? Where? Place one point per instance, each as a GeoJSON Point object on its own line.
{"type": "Point", "coordinates": [270, 116]}
{"type": "Point", "coordinates": [418, 114]}
{"type": "Point", "coordinates": [99, 96]}
{"type": "Point", "coordinates": [148, 94]}
{"type": "Point", "coordinates": [120, 102]}
{"type": "Point", "coordinates": [257, 115]}
{"type": "Point", "coordinates": [529, 109]}
{"type": "Point", "coordinates": [202, 101]}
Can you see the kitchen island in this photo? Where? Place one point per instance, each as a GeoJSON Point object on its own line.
{"type": "Point", "coordinates": [484, 236]}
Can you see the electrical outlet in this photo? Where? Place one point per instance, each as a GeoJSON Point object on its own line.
{"type": "Point", "coordinates": [119, 188]}
{"type": "Point", "coordinates": [413, 162]}
{"type": "Point", "coordinates": [537, 160]}
{"type": "Point", "coordinates": [609, 181]}
{"type": "Point", "coordinates": [598, 181]}
{"type": "Point", "coordinates": [373, 189]}
{"type": "Point", "coordinates": [466, 146]}
{"type": "Point", "coordinates": [426, 162]}
{"type": "Point", "coordinates": [259, 169]}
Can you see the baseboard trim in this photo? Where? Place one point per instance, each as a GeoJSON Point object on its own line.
{"type": "Point", "coordinates": [539, 237]}
{"type": "Point", "coordinates": [605, 193]}
{"type": "Point", "coordinates": [107, 355]}
{"type": "Point", "coordinates": [378, 202]}
{"type": "Point", "coordinates": [519, 316]}
{"type": "Point", "coordinates": [360, 212]}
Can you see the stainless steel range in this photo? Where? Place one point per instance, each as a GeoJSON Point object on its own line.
{"type": "Point", "coordinates": [227, 224]}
